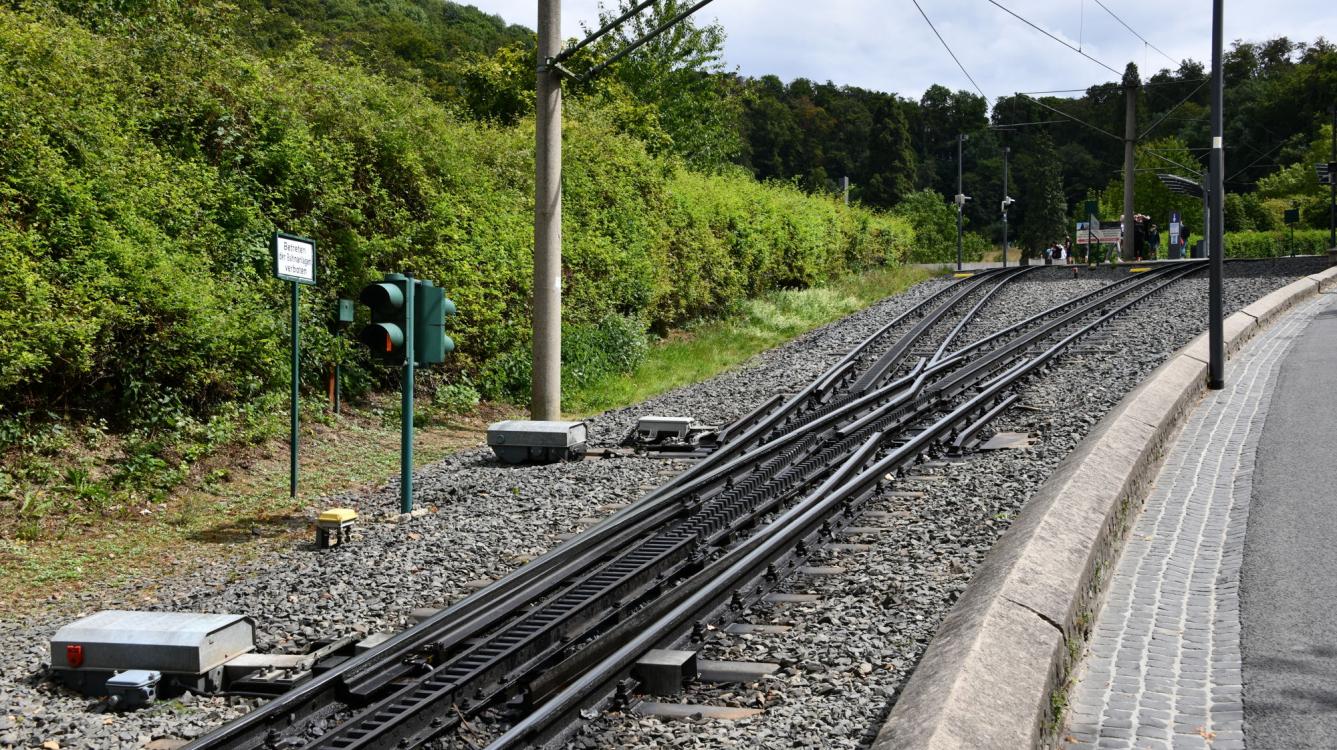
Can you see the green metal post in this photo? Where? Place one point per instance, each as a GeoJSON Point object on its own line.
{"type": "Point", "coordinates": [406, 406]}
{"type": "Point", "coordinates": [296, 376]}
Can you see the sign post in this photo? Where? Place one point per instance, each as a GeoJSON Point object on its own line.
{"type": "Point", "coordinates": [1292, 218]}
{"type": "Point", "coordinates": [1175, 224]}
{"type": "Point", "coordinates": [406, 403]}
{"type": "Point", "coordinates": [294, 262]}
{"type": "Point", "coordinates": [1092, 210]}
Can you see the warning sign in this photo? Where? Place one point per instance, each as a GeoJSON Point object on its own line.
{"type": "Point", "coordinates": [294, 258]}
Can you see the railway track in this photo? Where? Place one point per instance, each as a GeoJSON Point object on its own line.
{"type": "Point", "coordinates": [561, 633]}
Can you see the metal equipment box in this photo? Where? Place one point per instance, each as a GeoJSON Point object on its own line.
{"type": "Point", "coordinates": [189, 649]}
{"type": "Point", "coordinates": [653, 428]}
{"type": "Point", "coordinates": [517, 441]}
{"type": "Point", "coordinates": [135, 688]}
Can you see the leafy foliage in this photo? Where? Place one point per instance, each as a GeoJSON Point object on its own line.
{"type": "Point", "coordinates": [1044, 214]}
{"type": "Point", "coordinates": [1278, 93]}
{"type": "Point", "coordinates": [678, 75]}
{"type": "Point", "coordinates": [1275, 244]}
{"type": "Point", "coordinates": [149, 155]}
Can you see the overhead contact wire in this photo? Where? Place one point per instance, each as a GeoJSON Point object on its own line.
{"type": "Point", "coordinates": [1134, 33]}
{"type": "Point", "coordinates": [949, 50]}
{"type": "Point", "coordinates": [1010, 12]}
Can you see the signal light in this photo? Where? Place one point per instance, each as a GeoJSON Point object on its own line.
{"type": "Point", "coordinates": [384, 335]}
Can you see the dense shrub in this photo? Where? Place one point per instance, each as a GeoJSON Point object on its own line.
{"type": "Point", "coordinates": [1274, 244]}
{"type": "Point", "coordinates": [146, 162]}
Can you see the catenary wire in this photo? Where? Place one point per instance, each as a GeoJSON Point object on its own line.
{"type": "Point", "coordinates": [1163, 117]}
{"type": "Point", "coordinates": [1074, 119]}
{"type": "Point", "coordinates": [949, 49]}
{"type": "Point", "coordinates": [1051, 36]}
{"type": "Point", "coordinates": [1134, 33]}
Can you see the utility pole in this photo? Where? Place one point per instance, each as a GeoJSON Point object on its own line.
{"type": "Point", "coordinates": [845, 189]}
{"type": "Point", "coordinates": [1130, 86]}
{"type": "Point", "coordinates": [547, 346]}
{"type": "Point", "coordinates": [960, 198]}
{"type": "Point", "coordinates": [1216, 366]}
{"type": "Point", "coordinates": [1332, 183]}
{"type": "Point", "coordinates": [1006, 151]}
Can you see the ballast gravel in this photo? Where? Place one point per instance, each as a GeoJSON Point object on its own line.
{"type": "Point", "coordinates": [847, 653]}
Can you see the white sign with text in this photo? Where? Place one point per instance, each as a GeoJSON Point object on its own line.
{"type": "Point", "coordinates": [295, 259]}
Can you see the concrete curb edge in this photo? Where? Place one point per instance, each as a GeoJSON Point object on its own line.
{"type": "Point", "coordinates": [994, 674]}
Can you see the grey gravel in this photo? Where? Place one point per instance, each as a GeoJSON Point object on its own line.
{"type": "Point", "coordinates": [848, 652]}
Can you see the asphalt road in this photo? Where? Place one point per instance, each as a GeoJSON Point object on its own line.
{"type": "Point", "coordinates": [1288, 584]}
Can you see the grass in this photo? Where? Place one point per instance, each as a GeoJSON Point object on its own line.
{"type": "Point", "coordinates": [231, 506]}
{"type": "Point", "coordinates": [711, 347]}
{"type": "Point", "coordinates": [62, 533]}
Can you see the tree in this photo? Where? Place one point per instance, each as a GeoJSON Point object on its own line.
{"type": "Point", "coordinates": [891, 162]}
{"type": "Point", "coordinates": [1044, 209]}
{"type": "Point", "coordinates": [681, 74]}
{"type": "Point", "coordinates": [934, 222]}
{"type": "Point", "coordinates": [1150, 196]}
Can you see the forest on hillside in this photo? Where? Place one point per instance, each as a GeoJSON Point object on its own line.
{"type": "Point", "coordinates": [680, 98]}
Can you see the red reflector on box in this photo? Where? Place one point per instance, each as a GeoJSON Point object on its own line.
{"type": "Point", "coordinates": [74, 656]}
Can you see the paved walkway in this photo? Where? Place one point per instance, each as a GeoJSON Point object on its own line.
{"type": "Point", "coordinates": [1164, 668]}
{"type": "Point", "coordinates": [1288, 591]}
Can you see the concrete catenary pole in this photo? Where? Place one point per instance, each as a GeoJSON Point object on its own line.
{"type": "Point", "coordinates": [1005, 153]}
{"type": "Point", "coordinates": [1130, 86]}
{"type": "Point", "coordinates": [960, 202]}
{"type": "Point", "coordinates": [547, 323]}
{"type": "Point", "coordinates": [1216, 355]}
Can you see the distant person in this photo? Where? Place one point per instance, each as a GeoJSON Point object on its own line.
{"type": "Point", "coordinates": [1067, 249]}
{"type": "Point", "coordinates": [1154, 240]}
{"type": "Point", "coordinates": [1049, 255]}
{"type": "Point", "coordinates": [1183, 237]}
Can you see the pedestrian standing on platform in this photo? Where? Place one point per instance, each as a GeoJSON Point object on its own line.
{"type": "Point", "coordinates": [1049, 255]}
{"type": "Point", "coordinates": [1154, 240]}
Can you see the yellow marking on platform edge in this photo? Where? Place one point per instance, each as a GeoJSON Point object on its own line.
{"type": "Point", "coordinates": [962, 275]}
{"type": "Point", "coordinates": [1139, 269]}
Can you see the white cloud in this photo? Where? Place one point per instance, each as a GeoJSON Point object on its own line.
{"type": "Point", "coordinates": [885, 44]}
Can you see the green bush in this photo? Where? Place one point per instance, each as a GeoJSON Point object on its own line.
{"type": "Point", "coordinates": [1275, 244]}
{"type": "Point", "coordinates": [146, 161]}
{"type": "Point", "coordinates": [934, 224]}
{"type": "Point", "coordinates": [974, 246]}
{"type": "Point", "coordinates": [456, 397]}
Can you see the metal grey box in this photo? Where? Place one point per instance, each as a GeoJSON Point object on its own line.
{"type": "Point", "coordinates": [654, 428]}
{"type": "Point", "coordinates": [519, 440]}
{"type": "Point", "coordinates": [175, 643]}
{"type": "Point", "coordinates": [134, 688]}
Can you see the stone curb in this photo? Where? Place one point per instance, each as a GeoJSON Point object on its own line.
{"type": "Point", "coordinates": [994, 674]}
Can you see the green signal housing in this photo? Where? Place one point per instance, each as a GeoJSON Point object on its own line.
{"type": "Point", "coordinates": [384, 336]}
{"type": "Point", "coordinates": [430, 342]}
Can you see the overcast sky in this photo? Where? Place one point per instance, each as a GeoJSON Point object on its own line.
{"type": "Point", "coordinates": [886, 45]}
